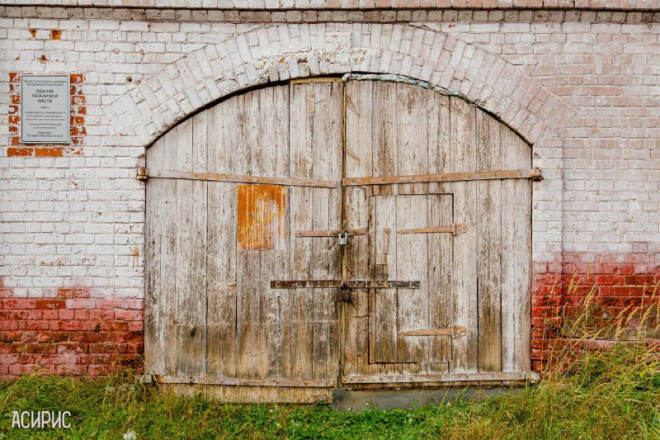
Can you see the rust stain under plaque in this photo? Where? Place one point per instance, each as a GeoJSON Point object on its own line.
{"type": "Point", "coordinates": [261, 216]}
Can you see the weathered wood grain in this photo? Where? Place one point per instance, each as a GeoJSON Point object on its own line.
{"type": "Point", "coordinates": [440, 266]}
{"type": "Point", "coordinates": [439, 145]}
{"type": "Point", "coordinates": [489, 236]}
{"type": "Point", "coordinates": [190, 269]}
{"type": "Point", "coordinates": [516, 257]}
{"type": "Point", "coordinates": [155, 309]}
{"type": "Point", "coordinates": [357, 265]}
{"type": "Point", "coordinates": [411, 254]}
{"type": "Point", "coordinates": [383, 312]}
{"type": "Point", "coordinates": [385, 133]}
{"type": "Point", "coordinates": [463, 159]}
{"type": "Point", "coordinates": [412, 125]}
{"type": "Point", "coordinates": [438, 199]}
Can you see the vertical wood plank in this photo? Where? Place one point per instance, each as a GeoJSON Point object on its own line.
{"type": "Point", "coordinates": [190, 316]}
{"type": "Point", "coordinates": [302, 113]}
{"type": "Point", "coordinates": [385, 136]}
{"type": "Point", "coordinates": [222, 255]}
{"type": "Point", "coordinates": [384, 341]}
{"type": "Point", "coordinates": [412, 131]}
{"type": "Point", "coordinates": [411, 264]}
{"type": "Point", "coordinates": [359, 162]}
{"type": "Point", "coordinates": [223, 136]}
{"type": "Point", "coordinates": [439, 143]}
{"type": "Point", "coordinates": [154, 345]}
{"type": "Point", "coordinates": [523, 258]}
{"type": "Point", "coordinates": [440, 265]}
{"type": "Point", "coordinates": [489, 245]}
{"type": "Point", "coordinates": [169, 210]}
{"type": "Point", "coordinates": [249, 287]}
{"type": "Point", "coordinates": [275, 263]}
{"type": "Point", "coordinates": [463, 159]}
{"type": "Point", "coordinates": [516, 257]}
{"type": "Point", "coordinates": [248, 312]}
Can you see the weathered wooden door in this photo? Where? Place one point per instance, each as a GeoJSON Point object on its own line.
{"type": "Point", "coordinates": [315, 235]}
{"type": "Point", "coordinates": [466, 243]}
{"type": "Point", "coordinates": [228, 189]}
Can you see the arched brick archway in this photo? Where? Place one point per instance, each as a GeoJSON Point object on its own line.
{"type": "Point", "coordinates": [282, 52]}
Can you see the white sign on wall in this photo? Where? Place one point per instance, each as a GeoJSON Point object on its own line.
{"type": "Point", "coordinates": [45, 103]}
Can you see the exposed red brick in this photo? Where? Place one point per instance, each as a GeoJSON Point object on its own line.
{"type": "Point", "coordinates": [55, 34]}
{"type": "Point", "coordinates": [73, 292]}
{"type": "Point", "coordinates": [71, 334]}
{"type": "Point", "coordinates": [613, 287]}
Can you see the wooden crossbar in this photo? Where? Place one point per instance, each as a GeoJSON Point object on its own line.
{"type": "Point", "coordinates": [533, 174]}
{"type": "Point", "coordinates": [235, 178]}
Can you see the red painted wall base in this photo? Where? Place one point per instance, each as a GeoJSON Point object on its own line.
{"type": "Point", "coordinates": [612, 286]}
{"type": "Point", "coordinates": [71, 334]}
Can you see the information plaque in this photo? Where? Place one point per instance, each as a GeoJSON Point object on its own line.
{"type": "Point", "coordinates": [45, 103]}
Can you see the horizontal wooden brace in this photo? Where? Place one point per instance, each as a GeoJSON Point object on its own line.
{"type": "Point", "coordinates": [234, 381]}
{"type": "Point", "coordinates": [453, 331]}
{"type": "Point", "coordinates": [330, 233]}
{"type": "Point", "coordinates": [534, 174]}
{"type": "Point", "coordinates": [236, 178]}
{"type": "Point", "coordinates": [454, 229]}
{"type": "Point", "coordinates": [441, 378]}
{"type": "Point", "coordinates": [356, 284]}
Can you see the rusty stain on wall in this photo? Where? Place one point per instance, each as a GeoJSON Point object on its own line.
{"type": "Point", "coordinates": [136, 256]}
{"type": "Point", "coordinates": [261, 214]}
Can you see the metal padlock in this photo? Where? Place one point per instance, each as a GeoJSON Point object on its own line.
{"type": "Point", "coordinates": [343, 238]}
{"type": "Point", "coordinates": [343, 293]}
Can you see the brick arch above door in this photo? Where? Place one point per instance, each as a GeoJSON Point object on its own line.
{"type": "Point", "coordinates": [282, 52]}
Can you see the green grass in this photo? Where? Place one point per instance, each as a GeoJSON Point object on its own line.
{"type": "Point", "coordinates": [611, 394]}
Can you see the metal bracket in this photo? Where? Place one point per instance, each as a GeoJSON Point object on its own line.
{"type": "Point", "coordinates": [333, 284]}
{"type": "Point", "coordinates": [142, 174]}
{"type": "Point", "coordinates": [535, 175]}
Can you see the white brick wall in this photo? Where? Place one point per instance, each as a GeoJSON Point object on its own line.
{"type": "Point", "coordinates": [76, 220]}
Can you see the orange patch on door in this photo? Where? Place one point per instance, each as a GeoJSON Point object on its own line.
{"type": "Point", "coordinates": [261, 214]}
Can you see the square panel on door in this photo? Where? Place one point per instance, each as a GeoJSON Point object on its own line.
{"type": "Point", "coordinates": [411, 239]}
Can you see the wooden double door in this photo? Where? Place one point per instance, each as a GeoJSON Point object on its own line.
{"type": "Point", "coordinates": [324, 234]}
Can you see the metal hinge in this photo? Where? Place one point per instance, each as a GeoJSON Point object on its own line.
{"type": "Point", "coordinates": [142, 174]}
